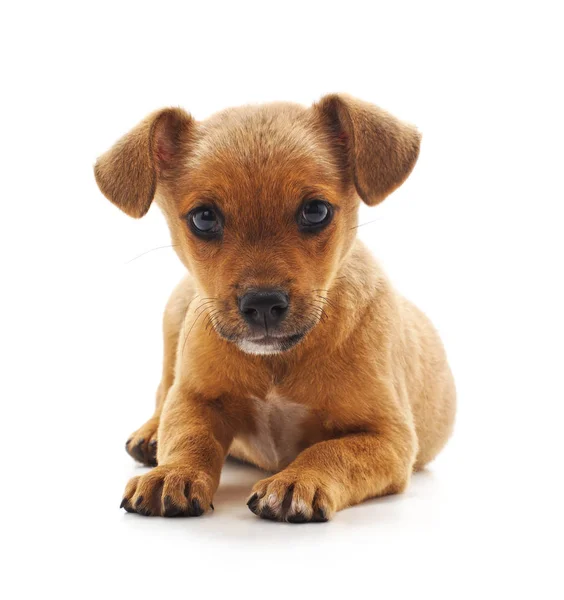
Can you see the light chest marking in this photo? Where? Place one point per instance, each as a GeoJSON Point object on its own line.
{"type": "Point", "coordinates": [279, 432]}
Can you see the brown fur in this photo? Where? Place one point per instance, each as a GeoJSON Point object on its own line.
{"type": "Point", "coordinates": [366, 397]}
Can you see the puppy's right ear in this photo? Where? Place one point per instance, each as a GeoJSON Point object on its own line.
{"type": "Point", "coordinates": [128, 173]}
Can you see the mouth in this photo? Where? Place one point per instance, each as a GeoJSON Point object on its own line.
{"type": "Point", "coordinates": [269, 344]}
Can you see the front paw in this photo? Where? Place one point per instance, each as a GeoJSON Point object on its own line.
{"type": "Point", "coordinates": [291, 497]}
{"type": "Point", "coordinates": [142, 445]}
{"type": "Point", "coordinates": [169, 491]}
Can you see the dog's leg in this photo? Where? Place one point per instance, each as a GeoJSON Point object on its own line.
{"type": "Point", "coordinates": [194, 437]}
{"type": "Point", "coordinates": [337, 473]}
{"type": "Point", "coordinates": [142, 444]}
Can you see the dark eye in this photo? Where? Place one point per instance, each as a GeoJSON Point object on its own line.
{"type": "Point", "coordinates": [205, 222]}
{"type": "Point", "coordinates": [315, 214]}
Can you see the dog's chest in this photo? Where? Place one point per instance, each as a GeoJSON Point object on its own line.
{"type": "Point", "coordinates": [278, 434]}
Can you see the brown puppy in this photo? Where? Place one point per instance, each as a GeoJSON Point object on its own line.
{"type": "Point", "coordinates": [286, 346]}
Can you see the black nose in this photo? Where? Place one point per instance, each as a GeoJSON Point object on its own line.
{"type": "Point", "coordinates": [264, 307]}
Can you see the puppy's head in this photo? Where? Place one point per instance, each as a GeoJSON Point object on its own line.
{"type": "Point", "coordinates": [261, 202]}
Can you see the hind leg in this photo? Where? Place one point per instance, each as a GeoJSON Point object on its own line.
{"type": "Point", "coordinates": [142, 444]}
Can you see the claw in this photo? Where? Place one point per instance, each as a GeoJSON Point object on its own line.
{"type": "Point", "coordinates": [170, 509]}
{"type": "Point", "coordinates": [268, 513]}
{"type": "Point", "coordinates": [252, 503]}
{"type": "Point", "coordinates": [299, 517]}
{"type": "Point", "coordinates": [197, 510]}
{"type": "Point", "coordinates": [126, 505]}
{"type": "Point", "coordinates": [320, 516]}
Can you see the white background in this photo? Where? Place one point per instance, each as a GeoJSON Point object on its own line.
{"type": "Point", "coordinates": [474, 238]}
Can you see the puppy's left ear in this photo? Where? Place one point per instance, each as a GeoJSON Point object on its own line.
{"type": "Point", "coordinates": [128, 173]}
{"type": "Point", "coordinates": [377, 150]}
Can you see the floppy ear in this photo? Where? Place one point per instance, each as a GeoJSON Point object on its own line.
{"type": "Point", "coordinates": [127, 174]}
{"type": "Point", "coordinates": [379, 150]}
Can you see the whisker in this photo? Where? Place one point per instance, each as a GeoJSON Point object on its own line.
{"type": "Point", "coordinates": [317, 306]}
{"type": "Point", "coordinates": [210, 319]}
{"type": "Point", "coordinates": [319, 311]}
{"type": "Point", "coordinates": [322, 296]}
{"type": "Point", "coordinates": [367, 223]}
{"type": "Point", "coordinates": [316, 303]}
{"type": "Point", "coordinates": [151, 250]}
{"type": "Point", "coordinates": [202, 307]}
{"type": "Point", "coordinates": [192, 327]}
{"type": "Point", "coordinates": [209, 324]}
{"type": "Point", "coordinates": [327, 301]}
